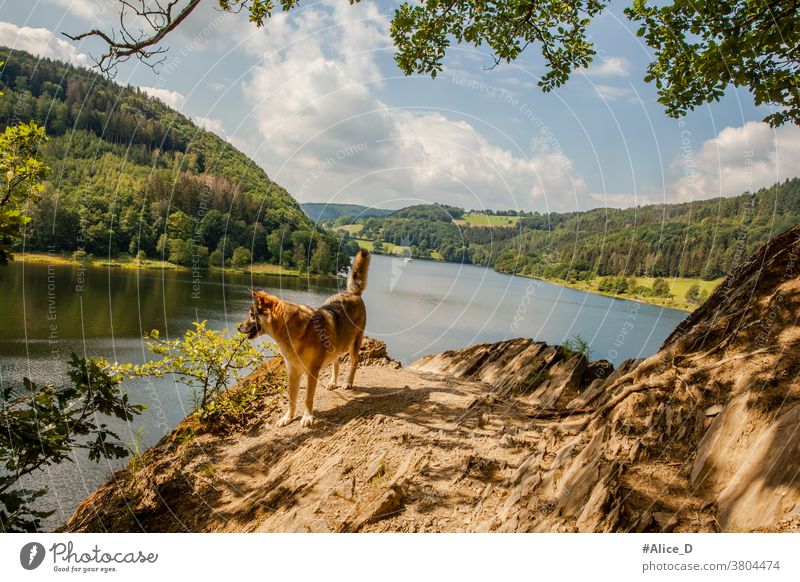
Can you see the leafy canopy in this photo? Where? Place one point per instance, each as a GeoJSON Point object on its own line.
{"type": "Point", "coordinates": [700, 46]}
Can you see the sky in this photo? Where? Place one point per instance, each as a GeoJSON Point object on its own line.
{"type": "Point", "coordinates": [315, 98]}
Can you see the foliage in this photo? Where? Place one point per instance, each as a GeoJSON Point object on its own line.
{"type": "Point", "coordinates": [661, 288]}
{"type": "Point", "coordinates": [702, 47]}
{"type": "Point", "coordinates": [423, 32]}
{"type": "Point", "coordinates": [21, 174]}
{"type": "Point", "coordinates": [702, 239]}
{"type": "Point", "coordinates": [203, 359]}
{"type": "Point", "coordinates": [234, 409]}
{"type": "Point", "coordinates": [42, 425]}
{"type": "Point", "coordinates": [575, 346]}
{"type": "Point", "coordinates": [241, 257]}
{"type": "Point", "coordinates": [696, 295]}
{"type": "Point", "coordinates": [135, 175]}
{"type": "Point", "coordinates": [326, 213]}
{"type": "Point", "coordinates": [437, 212]}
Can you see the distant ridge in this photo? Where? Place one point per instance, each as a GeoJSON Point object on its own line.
{"type": "Point", "coordinates": [322, 211]}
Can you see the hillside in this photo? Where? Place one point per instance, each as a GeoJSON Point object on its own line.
{"type": "Point", "coordinates": [517, 436]}
{"type": "Point", "coordinates": [320, 212]}
{"type": "Point", "coordinates": [703, 239]}
{"type": "Point", "coordinates": [130, 175]}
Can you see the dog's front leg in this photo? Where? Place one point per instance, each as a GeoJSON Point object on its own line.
{"type": "Point", "coordinates": [308, 415]}
{"type": "Point", "coordinates": [294, 387]}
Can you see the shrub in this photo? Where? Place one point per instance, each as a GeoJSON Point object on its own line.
{"type": "Point", "coordinates": [241, 257]}
{"type": "Point", "coordinates": [577, 345]}
{"type": "Point", "coordinates": [42, 425]}
{"type": "Point", "coordinates": [204, 359]}
{"type": "Point", "coordinates": [661, 288]}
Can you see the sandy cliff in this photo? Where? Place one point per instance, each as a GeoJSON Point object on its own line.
{"type": "Point", "coordinates": [515, 436]}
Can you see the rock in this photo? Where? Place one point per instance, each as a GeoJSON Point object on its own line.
{"type": "Point", "coordinates": [373, 353]}
{"type": "Point", "coordinates": [665, 521]}
{"type": "Point", "coordinates": [346, 488]}
{"type": "Point", "coordinates": [388, 504]}
{"type": "Point", "coordinates": [644, 522]}
{"type": "Point", "coordinates": [563, 378]}
{"type": "Point", "coordinates": [375, 468]}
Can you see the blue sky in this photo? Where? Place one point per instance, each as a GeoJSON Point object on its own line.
{"type": "Point", "coordinates": [316, 99]}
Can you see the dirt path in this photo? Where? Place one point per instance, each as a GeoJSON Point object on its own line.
{"type": "Point", "coordinates": [513, 436]}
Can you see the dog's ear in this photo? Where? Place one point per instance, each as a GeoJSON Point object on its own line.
{"type": "Point", "coordinates": [264, 301]}
{"type": "Point", "coordinates": [253, 294]}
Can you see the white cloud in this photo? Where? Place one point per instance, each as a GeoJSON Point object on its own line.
{"type": "Point", "coordinates": [40, 42]}
{"type": "Point", "coordinates": [171, 98]}
{"type": "Point", "coordinates": [89, 10]}
{"type": "Point", "coordinates": [210, 124]}
{"type": "Point", "coordinates": [609, 66]}
{"type": "Point", "coordinates": [739, 159]}
{"type": "Point", "coordinates": [613, 94]}
{"type": "Point", "coordinates": [328, 136]}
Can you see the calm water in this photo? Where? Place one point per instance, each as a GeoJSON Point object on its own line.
{"type": "Point", "coordinates": [416, 308]}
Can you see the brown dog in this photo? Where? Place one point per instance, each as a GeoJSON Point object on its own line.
{"type": "Point", "coordinates": [311, 339]}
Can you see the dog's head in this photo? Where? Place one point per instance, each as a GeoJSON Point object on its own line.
{"type": "Point", "coordinates": [259, 319]}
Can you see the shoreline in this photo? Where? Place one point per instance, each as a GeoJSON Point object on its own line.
{"type": "Point", "coordinates": [674, 302]}
{"type": "Point", "coordinates": [671, 303]}
{"type": "Point", "coordinates": [157, 265]}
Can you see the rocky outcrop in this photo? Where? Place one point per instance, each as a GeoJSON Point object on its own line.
{"type": "Point", "coordinates": [516, 436]}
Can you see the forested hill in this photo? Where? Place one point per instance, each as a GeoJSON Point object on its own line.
{"type": "Point", "coordinates": [131, 175]}
{"type": "Point", "coordinates": [704, 238]}
{"type": "Point", "coordinates": [323, 211]}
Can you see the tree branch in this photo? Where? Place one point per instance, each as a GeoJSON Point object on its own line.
{"type": "Point", "coordinates": [162, 21]}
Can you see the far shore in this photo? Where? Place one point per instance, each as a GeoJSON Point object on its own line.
{"type": "Point", "coordinates": [154, 264]}
{"type": "Point", "coordinates": [678, 285]}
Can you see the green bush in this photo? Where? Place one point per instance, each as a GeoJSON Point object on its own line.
{"type": "Point", "coordinates": [577, 345]}
{"type": "Point", "coordinates": [240, 258]}
{"type": "Point", "coordinates": [43, 425]}
{"type": "Point", "coordinates": [206, 360]}
{"type": "Point", "coordinates": [661, 288]}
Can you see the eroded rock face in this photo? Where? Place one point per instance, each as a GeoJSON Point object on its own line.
{"type": "Point", "coordinates": [516, 436]}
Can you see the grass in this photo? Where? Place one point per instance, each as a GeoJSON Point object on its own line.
{"type": "Point", "coordinates": [678, 287]}
{"type": "Point", "coordinates": [125, 262]}
{"type": "Point", "coordinates": [480, 219]}
{"type": "Point", "coordinates": [393, 249]}
{"type": "Point", "coordinates": [351, 228]}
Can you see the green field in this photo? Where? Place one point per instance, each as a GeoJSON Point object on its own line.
{"type": "Point", "coordinates": [487, 220]}
{"type": "Point", "coordinates": [678, 287]}
{"type": "Point", "coordinates": [351, 228]}
{"type": "Point", "coordinates": [392, 249]}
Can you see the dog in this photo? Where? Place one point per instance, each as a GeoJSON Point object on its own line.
{"type": "Point", "coordinates": [310, 339]}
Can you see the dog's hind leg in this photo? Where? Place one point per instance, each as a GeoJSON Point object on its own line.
{"type": "Point", "coordinates": [354, 349]}
{"type": "Point", "coordinates": [334, 375]}
{"type": "Point", "coordinates": [295, 375]}
{"type": "Point", "coordinates": [308, 415]}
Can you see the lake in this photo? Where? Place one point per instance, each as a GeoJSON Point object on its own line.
{"type": "Point", "coordinates": [417, 308]}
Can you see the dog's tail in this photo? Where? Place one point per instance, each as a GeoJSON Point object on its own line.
{"type": "Point", "coordinates": [357, 281]}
